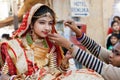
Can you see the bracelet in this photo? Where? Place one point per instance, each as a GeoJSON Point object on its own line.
{"type": "Point", "coordinates": [79, 38]}
{"type": "Point", "coordinates": [12, 77]}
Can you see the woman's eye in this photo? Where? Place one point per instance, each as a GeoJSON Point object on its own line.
{"type": "Point", "coordinates": [51, 23]}
{"type": "Point", "coordinates": [42, 22]}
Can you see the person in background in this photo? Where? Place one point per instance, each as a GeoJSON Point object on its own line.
{"type": "Point", "coordinates": [117, 19]}
{"type": "Point", "coordinates": [30, 55]}
{"type": "Point", "coordinates": [115, 30]}
{"type": "Point", "coordinates": [103, 61]}
{"type": "Point", "coordinates": [112, 40]}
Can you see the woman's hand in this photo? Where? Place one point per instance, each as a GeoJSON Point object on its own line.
{"type": "Point", "coordinates": [73, 26]}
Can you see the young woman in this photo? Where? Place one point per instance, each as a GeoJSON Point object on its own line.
{"type": "Point", "coordinates": [112, 40]}
{"type": "Point", "coordinates": [30, 53]}
{"type": "Point", "coordinates": [116, 19]}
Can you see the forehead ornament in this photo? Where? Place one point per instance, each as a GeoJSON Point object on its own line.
{"type": "Point", "coordinates": [44, 15]}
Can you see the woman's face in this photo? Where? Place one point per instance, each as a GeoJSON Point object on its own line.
{"type": "Point", "coordinates": [114, 40]}
{"type": "Point", "coordinates": [115, 26]}
{"type": "Point", "coordinates": [43, 26]}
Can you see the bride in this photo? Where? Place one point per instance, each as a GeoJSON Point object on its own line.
{"type": "Point", "coordinates": [30, 53]}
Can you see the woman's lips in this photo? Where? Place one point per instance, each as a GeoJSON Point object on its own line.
{"type": "Point", "coordinates": [45, 33]}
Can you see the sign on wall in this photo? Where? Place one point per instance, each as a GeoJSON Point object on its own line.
{"type": "Point", "coordinates": [79, 8]}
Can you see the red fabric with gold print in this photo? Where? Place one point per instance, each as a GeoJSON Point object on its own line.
{"type": "Point", "coordinates": [6, 58]}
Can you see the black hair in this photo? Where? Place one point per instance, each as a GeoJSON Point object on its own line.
{"type": "Point", "coordinates": [116, 17]}
{"type": "Point", "coordinates": [79, 27]}
{"type": "Point", "coordinates": [108, 40]}
{"type": "Point", "coordinates": [116, 35]}
{"type": "Point", "coordinates": [6, 36]}
{"type": "Point", "coordinates": [64, 50]}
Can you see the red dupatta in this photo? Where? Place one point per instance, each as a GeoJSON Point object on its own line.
{"type": "Point", "coordinates": [6, 58]}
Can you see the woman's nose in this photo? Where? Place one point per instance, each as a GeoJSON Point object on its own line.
{"type": "Point", "coordinates": [48, 27]}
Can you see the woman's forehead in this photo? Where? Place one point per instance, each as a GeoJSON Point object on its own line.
{"type": "Point", "coordinates": [47, 14]}
{"type": "Point", "coordinates": [45, 18]}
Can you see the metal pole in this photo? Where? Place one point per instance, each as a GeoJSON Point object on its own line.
{"type": "Point", "coordinates": [15, 9]}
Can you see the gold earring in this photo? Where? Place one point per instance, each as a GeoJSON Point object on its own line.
{"type": "Point", "coordinates": [31, 31]}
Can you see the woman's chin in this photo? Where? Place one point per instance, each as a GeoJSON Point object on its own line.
{"type": "Point", "coordinates": [43, 36]}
